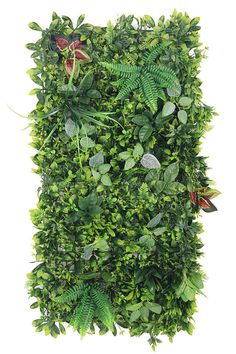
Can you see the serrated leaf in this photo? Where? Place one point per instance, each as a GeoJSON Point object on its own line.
{"type": "Point", "coordinates": [70, 127]}
{"type": "Point", "coordinates": [135, 315]}
{"type": "Point", "coordinates": [105, 179]}
{"type": "Point", "coordinates": [96, 160]}
{"type": "Point", "coordinates": [171, 172]}
{"type": "Point", "coordinates": [129, 163]}
{"type": "Point", "coordinates": [104, 168]}
{"type": "Point", "coordinates": [138, 150]}
{"type": "Point", "coordinates": [145, 132]}
{"type": "Point", "coordinates": [87, 142]}
{"type": "Point", "coordinates": [154, 221]}
{"type": "Point", "coordinates": [182, 116]}
{"type": "Point", "coordinates": [168, 109]}
{"type": "Point", "coordinates": [185, 101]}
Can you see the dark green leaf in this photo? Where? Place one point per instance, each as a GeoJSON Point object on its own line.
{"type": "Point", "coordinates": [145, 132]}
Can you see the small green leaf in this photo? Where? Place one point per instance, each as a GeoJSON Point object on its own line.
{"type": "Point", "coordinates": [135, 315]}
{"type": "Point", "coordinates": [124, 155]}
{"type": "Point", "coordinates": [62, 328]}
{"type": "Point", "coordinates": [140, 119]}
{"type": "Point", "coordinates": [197, 281]}
{"type": "Point", "coordinates": [174, 92]}
{"type": "Point", "coordinates": [154, 221]}
{"type": "Point", "coordinates": [87, 142]}
{"type": "Point", "coordinates": [96, 175]}
{"type": "Point", "coordinates": [147, 241]}
{"type": "Point", "coordinates": [70, 127]}
{"type": "Point", "coordinates": [159, 231]}
{"type": "Point", "coordinates": [104, 168]}
{"type": "Point", "coordinates": [144, 313]}
{"type": "Point", "coordinates": [189, 293]}
{"type": "Point", "coordinates": [34, 26]}
{"type": "Point", "coordinates": [129, 164]}
{"type": "Point", "coordinates": [148, 20]}
{"type": "Point", "coordinates": [34, 91]}
{"type": "Point", "coordinates": [171, 172]}
{"type": "Point", "coordinates": [34, 305]}
{"type": "Point", "coordinates": [138, 150]}
{"type": "Point", "coordinates": [80, 20]}
{"type": "Point", "coordinates": [134, 307]}
{"type": "Point", "coordinates": [168, 109]}
{"type": "Point", "coordinates": [88, 252]}
{"type": "Point", "coordinates": [96, 160]}
{"type": "Point", "coordinates": [182, 115]}
{"type": "Point", "coordinates": [145, 132]}
{"type": "Point", "coordinates": [105, 179]}
{"type": "Point", "coordinates": [86, 82]}
{"type": "Point", "coordinates": [102, 245]}
{"type": "Point", "coordinates": [159, 186]}
{"type": "Point", "coordinates": [175, 188]}
{"type": "Point", "coordinates": [185, 101]}
{"type": "Point", "coordinates": [153, 307]}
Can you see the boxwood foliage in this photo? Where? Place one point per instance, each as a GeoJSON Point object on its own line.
{"type": "Point", "coordinates": [117, 129]}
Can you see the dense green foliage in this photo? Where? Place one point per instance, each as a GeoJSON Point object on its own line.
{"type": "Point", "coordinates": [117, 238]}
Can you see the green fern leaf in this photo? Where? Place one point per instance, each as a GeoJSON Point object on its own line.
{"type": "Point", "coordinates": [103, 308]}
{"type": "Point", "coordinates": [124, 70]}
{"type": "Point", "coordinates": [128, 85]}
{"type": "Point", "coordinates": [161, 93]}
{"type": "Point", "coordinates": [71, 294]}
{"type": "Point", "coordinates": [83, 315]}
{"type": "Point", "coordinates": [151, 55]}
{"type": "Point", "coordinates": [163, 75]}
{"type": "Point", "coordinates": [148, 91]}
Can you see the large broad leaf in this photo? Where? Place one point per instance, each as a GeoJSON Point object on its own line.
{"type": "Point", "coordinates": [150, 161]}
{"type": "Point", "coordinates": [70, 127]}
{"type": "Point", "coordinates": [182, 115]}
{"type": "Point", "coordinates": [101, 244]}
{"type": "Point", "coordinates": [104, 168]}
{"type": "Point", "coordinates": [105, 179]}
{"type": "Point", "coordinates": [135, 315]}
{"type": "Point", "coordinates": [141, 119]}
{"type": "Point", "coordinates": [153, 307]}
{"type": "Point", "coordinates": [168, 109]}
{"type": "Point", "coordinates": [145, 132]}
{"type": "Point", "coordinates": [171, 172]}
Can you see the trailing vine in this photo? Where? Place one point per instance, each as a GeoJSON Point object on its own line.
{"type": "Point", "coordinates": [117, 241]}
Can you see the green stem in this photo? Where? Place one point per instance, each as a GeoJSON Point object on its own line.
{"type": "Point", "coordinates": [77, 141]}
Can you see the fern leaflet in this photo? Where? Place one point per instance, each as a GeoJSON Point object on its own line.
{"type": "Point", "coordinates": [103, 308]}
{"type": "Point", "coordinates": [71, 294]}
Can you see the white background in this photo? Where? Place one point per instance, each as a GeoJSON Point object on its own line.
{"type": "Point", "coordinates": [215, 321]}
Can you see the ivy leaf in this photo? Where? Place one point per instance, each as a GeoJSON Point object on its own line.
{"type": "Point", "coordinates": [87, 142]}
{"type": "Point", "coordinates": [171, 172]}
{"type": "Point", "coordinates": [70, 127]}
{"type": "Point", "coordinates": [168, 109]}
{"type": "Point", "coordinates": [104, 168]}
{"type": "Point", "coordinates": [185, 101]}
{"type": "Point", "coordinates": [182, 115]}
{"type": "Point", "coordinates": [105, 179]}
{"type": "Point", "coordinates": [135, 315]}
{"type": "Point", "coordinates": [145, 132]}
{"type": "Point", "coordinates": [153, 307]}
{"type": "Point", "coordinates": [96, 160]}
{"type": "Point", "coordinates": [154, 221]}
{"type": "Point", "coordinates": [129, 164]}
{"type": "Point", "coordinates": [138, 150]}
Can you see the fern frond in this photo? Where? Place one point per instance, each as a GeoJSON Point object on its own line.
{"type": "Point", "coordinates": [83, 315]}
{"type": "Point", "coordinates": [71, 294]}
{"type": "Point", "coordinates": [103, 307]}
{"type": "Point", "coordinates": [161, 93]}
{"type": "Point", "coordinates": [148, 91]}
{"type": "Point", "coordinates": [151, 55]}
{"type": "Point", "coordinates": [128, 85]}
{"type": "Point", "coordinates": [124, 70]}
{"type": "Point", "coordinates": [163, 75]}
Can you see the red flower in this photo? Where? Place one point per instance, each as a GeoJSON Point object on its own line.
{"type": "Point", "coordinates": [202, 198]}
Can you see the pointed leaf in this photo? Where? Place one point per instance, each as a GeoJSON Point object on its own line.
{"type": "Point", "coordinates": [70, 127]}
{"type": "Point", "coordinates": [182, 115]}
{"type": "Point", "coordinates": [129, 163]}
{"type": "Point", "coordinates": [154, 221]}
{"type": "Point", "coordinates": [171, 172]}
{"type": "Point", "coordinates": [145, 132]}
{"type": "Point", "coordinates": [168, 109]}
{"type": "Point", "coordinates": [185, 101]}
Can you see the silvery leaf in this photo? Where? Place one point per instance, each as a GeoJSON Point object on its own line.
{"type": "Point", "coordinates": [150, 161]}
{"type": "Point", "coordinates": [96, 160]}
{"type": "Point", "coordinates": [70, 127]}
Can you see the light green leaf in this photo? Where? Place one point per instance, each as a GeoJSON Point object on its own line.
{"type": "Point", "coordinates": [96, 160]}
{"type": "Point", "coordinates": [171, 172]}
{"type": "Point", "coordinates": [129, 164]}
{"type": "Point", "coordinates": [148, 20]}
{"type": "Point", "coordinates": [197, 281]}
{"type": "Point", "coordinates": [134, 307]}
{"type": "Point", "coordinates": [145, 132]}
{"type": "Point", "coordinates": [168, 109]}
{"type": "Point", "coordinates": [174, 92]}
{"type": "Point", "coordinates": [135, 315]}
{"type": "Point", "coordinates": [154, 221]}
{"type": "Point", "coordinates": [34, 26]}
{"type": "Point", "coordinates": [159, 231]}
{"type": "Point", "coordinates": [144, 313]}
{"type": "Point", "coordinates": [70, 127]}
{"type": "Point", "coordinates": [80, 20]}
{"type": "Point", "coordinates": [87, 142]}
{"type": "Point", "coordinates": [147, 241]}
{"type": "Point", "coordinates": [104, 168]}
{"type": "Point", "coordinates": [88, 252]}
{"type": "Point", "coordinates": [105, 179]}
{"type": "Point", "coordinates": [182, 115]}
{"type": "Point", "coordinates": [101, 244]}
{"type": "Point", "coordinates": [138, 150]}
{"type": "Point", "coordinates": [159, 186]}
{"type": "Point", "coordinates": [185, 101]}
{"type": "Point", "coordinates": [96, 175]}
{"type": "Point", "coordinates": [153, 307]}
{"type": "Point", "coordinates": [124, 155]}
{"type": "Point", "coordinates": [189, 293]}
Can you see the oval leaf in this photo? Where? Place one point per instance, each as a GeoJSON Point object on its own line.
{"type": "Point", "coordinates": [86, 142]}
{"type": "Point", "coordinates": [96, 160]}
{"type": "Point", "coordinates": [129, 163]}
{"type": "Point", "coordinates": [182, 115]}
{"type": "Point", "coordinates": [168, 109]}
{"type": "Point", "coordinates": [185, 101]}
{"type": "Point", "coordinates": [70, 127]}
{"type": "Point", "coordinates": [150, 161]}
{"type": "Point", "coordinates": [145, 132]}
{"type": "Point", "coordinates": [154, 221]}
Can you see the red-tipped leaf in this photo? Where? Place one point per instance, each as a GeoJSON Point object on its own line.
{"type": "Point", "coordinates": [61, 43]}
{"type": "Point", "coordinates": [206, 204]}
{"type": "Point", "coordinates": [81, 55]}
{"type": "Point", "coordinates": [69, 64]}
{"type": "Point", "coordinates": [193, 197]}
{"type": "Point", "coordinates": [77, 44]}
